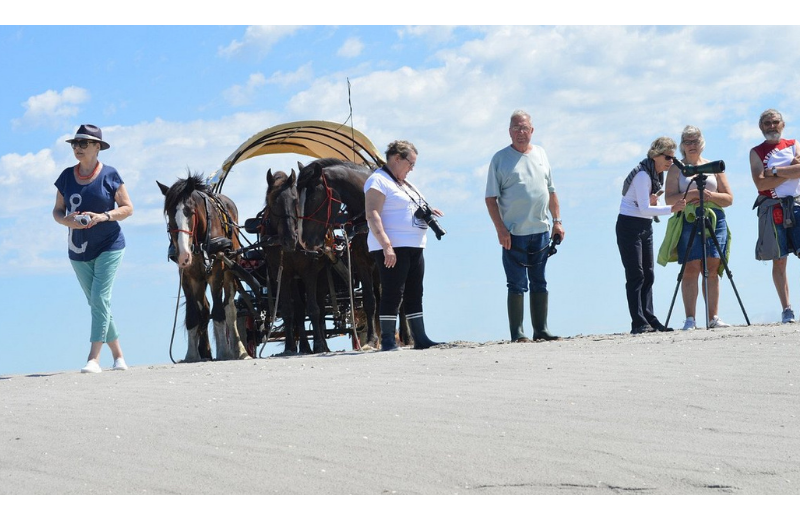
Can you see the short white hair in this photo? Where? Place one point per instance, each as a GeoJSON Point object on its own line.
{"type": "Point", "coordinates": [517, 114]}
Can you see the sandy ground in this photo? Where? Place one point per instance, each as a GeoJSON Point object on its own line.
{"type": "Point", "coordinates": [703, 412]}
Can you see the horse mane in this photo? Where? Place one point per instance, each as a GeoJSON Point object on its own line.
{"type": "Point", "coordinates": [308, 170]}
{"type": "Point", "coordinates": [182, 190]}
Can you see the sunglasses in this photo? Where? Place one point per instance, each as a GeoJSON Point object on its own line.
{"type": "Point", "coordinates": [668, 157]}
{"type": "Point", "coordinates": [83, 144]}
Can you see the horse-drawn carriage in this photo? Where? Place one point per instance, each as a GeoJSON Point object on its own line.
{"type": "Point", "coordinates": [302, 259]}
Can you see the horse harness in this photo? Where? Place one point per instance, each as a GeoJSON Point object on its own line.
{"type": "Point", "coordinates": [210, 246]}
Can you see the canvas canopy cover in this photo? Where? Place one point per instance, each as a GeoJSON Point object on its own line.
{"type": "Point", "coordinates": [318, 139]}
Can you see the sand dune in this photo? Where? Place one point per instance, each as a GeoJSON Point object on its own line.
{"type": "Point", "coordinates": [703, 412]}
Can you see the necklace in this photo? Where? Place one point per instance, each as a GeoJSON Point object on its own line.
{"type": "Point", "coordinates": [86, 177]}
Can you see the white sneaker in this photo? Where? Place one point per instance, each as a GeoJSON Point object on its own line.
{"type": "Point", "coordinates": [91, 367]}
{"type": "Point", "coordinates": [717, 323]}
{"type": "Point", "coordinates": [689, 324]}
{"type": "Point", "coordinates": [119, 364]}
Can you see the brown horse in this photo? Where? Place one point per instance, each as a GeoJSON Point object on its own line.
{"type": "Point", "coordinates": [202, 226]}
{"type": "Point", "coordinates": [302, 286]}
{"type": "Point", "coordinates": [321, 185]}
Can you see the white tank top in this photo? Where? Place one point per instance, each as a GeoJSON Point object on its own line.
{"type": "Point", "coordinates": [711, 183]}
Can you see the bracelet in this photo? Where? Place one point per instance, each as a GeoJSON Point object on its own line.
{"type": "Point", "coordinates": [108, 215]}
{"type": "Point", "coordinates": [557, 221]}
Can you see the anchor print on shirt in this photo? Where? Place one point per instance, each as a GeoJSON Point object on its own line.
{"type": "Point", "coordinates": [74, 203]}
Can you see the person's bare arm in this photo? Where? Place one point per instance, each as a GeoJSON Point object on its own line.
{"type": "Point", "coordinates": [374, 201]}
{"type": "Point", "coordinates": [503, 235]}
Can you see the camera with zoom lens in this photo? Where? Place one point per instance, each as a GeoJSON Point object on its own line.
{"type": "Point", "coordinates": [712, 168]}
{"type": "Point", "coordinates": [83, 219]}
{"type": "Point", "coordinates": [424, 213]}
{"type": "Point", "coordinates": [556, 241]}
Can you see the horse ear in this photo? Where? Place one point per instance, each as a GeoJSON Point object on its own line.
{"type": "Point", "coordinates": [164, 189]}
{"type": "Point", "coordinates": [317, 171]}
{"type": "Point", "coordinates": [270, 177]}
{"type": "Point", "coordinates": [300, 166]}
{"type": "Point", "coordinates": [293, 178]}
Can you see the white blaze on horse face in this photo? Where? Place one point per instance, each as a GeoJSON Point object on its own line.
{"type": "Point", "coordinates": [300, 215]}
{"type": "Point", "coordinates": [183, 237]}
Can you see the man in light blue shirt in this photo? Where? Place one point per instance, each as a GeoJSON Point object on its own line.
{"type": "Point", "coordinates": [519, 192]}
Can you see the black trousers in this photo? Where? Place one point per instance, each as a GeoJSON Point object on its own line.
{"type": "Point", "coordinates": [401, 283]}
{"type": "Point", "coordinates": [635, 243]}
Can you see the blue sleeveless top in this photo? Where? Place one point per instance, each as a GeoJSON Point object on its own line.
{"type": "Point", "coordinates": [97, 197]}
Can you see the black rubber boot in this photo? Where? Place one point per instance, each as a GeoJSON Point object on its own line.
{"type": "Point", "coordinates": [387, 333]}
{"type": "Point", "coordinates": [516, 312]}
{"type": "Point", "coordinates": [539, 317]}
{"type": "Point", "coordinates": [421, 339]}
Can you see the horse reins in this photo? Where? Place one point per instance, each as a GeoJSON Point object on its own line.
{"type": "Point", "coordinates": [329, 200]}
{"type": "Point", "coordinates": [225, 218]}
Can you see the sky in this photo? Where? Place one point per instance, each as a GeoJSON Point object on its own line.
{"type": "Point", "coordinates": [172, 99]}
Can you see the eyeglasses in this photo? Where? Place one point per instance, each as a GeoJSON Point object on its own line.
{"type": "Point", "coordinates": [668, 157]}
{"type": "Point", "coordinates": [692, 142]}
{"type": "Point", "coordinates": [521, 128]}
{"type": "Point", "coordinates": [83, 144]}
{"type": "Point", "coordinates": [412, 163]}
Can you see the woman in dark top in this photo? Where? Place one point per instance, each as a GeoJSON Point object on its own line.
{"type": "Point", "coordinates": [91, 200]}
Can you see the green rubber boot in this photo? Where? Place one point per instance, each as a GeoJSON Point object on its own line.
{"type": "Point", "coordinates": [516, 313]}
{"type": "Point", "coordinates": [539, 317]}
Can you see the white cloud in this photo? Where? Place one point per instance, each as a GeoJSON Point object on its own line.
{"type": "Point", "coordinates": [351, 48]}
{"type": "Point", "coordinates": [260, 38]}
{"type": "Point", "coordinates": [239, 95]}
{"type": "Point", "coordinates": [29, 168]}
{"type": "Point", "coordinates": [434, 33]}
{"type": "Point", "coordinates": [598, 97]}
{"type": "Point", "coordinates": [302, 74]}
{"type": "Point", "coordinates": [51, 108]}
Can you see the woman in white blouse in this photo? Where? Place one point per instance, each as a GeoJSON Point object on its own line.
{"type": "Point", "coordinates": [639, 205]}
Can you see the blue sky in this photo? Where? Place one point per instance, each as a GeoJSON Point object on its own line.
{"type": "Point", "coordinates": [172, 98]}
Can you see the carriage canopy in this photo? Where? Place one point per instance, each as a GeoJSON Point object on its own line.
{"type": "Point", "coordinates": [318, 139]}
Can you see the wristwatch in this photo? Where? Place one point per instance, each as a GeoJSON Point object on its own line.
{"type": "Point", "coordinates": [556, 221]}
{"type": "Point", "coordinates": [108, 215]}
{"type": "Point", "coordinates": [774, 171]}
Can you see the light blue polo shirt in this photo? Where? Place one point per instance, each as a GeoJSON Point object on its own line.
{"type": "Point", "coordinates": [522, 184]}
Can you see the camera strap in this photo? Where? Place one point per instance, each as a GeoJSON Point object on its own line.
{"type": "Point", "coordinates": [420, 202]}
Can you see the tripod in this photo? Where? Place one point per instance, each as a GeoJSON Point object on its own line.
{"type": "Point", "coordinates": [702, 222]}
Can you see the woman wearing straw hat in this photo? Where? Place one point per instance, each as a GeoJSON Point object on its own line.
{"type": "Point", "coordinates": [91, 201]}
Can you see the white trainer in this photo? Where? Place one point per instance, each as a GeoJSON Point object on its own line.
{"type": "Point", "coordinates": [91, 367]}
{"type": "Point", "coordinates": [717, 323]}
{"type": "Point", "coordinates": [689, 324]}
{"type": "Point", "coordinates": [119, 364]}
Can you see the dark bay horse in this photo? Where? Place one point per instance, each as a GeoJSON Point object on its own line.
{"type": "Point", "coordinates": [322, 183]}
{"type": "Point", "coordinates": [202, 226]}
{"type": "Point", "coordinates": [302, 286]}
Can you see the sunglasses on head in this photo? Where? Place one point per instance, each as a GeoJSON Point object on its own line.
{"type": "Point", "coordinates": [82, 143]}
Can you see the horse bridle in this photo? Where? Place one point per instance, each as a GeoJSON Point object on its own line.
{"type": "Point", "coordinates": [204, 247]}
{"type": "Point", "coordinates": [329, 200]}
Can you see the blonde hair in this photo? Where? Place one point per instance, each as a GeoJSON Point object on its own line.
{"type": "Point", "coordinates": [661, 146]}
